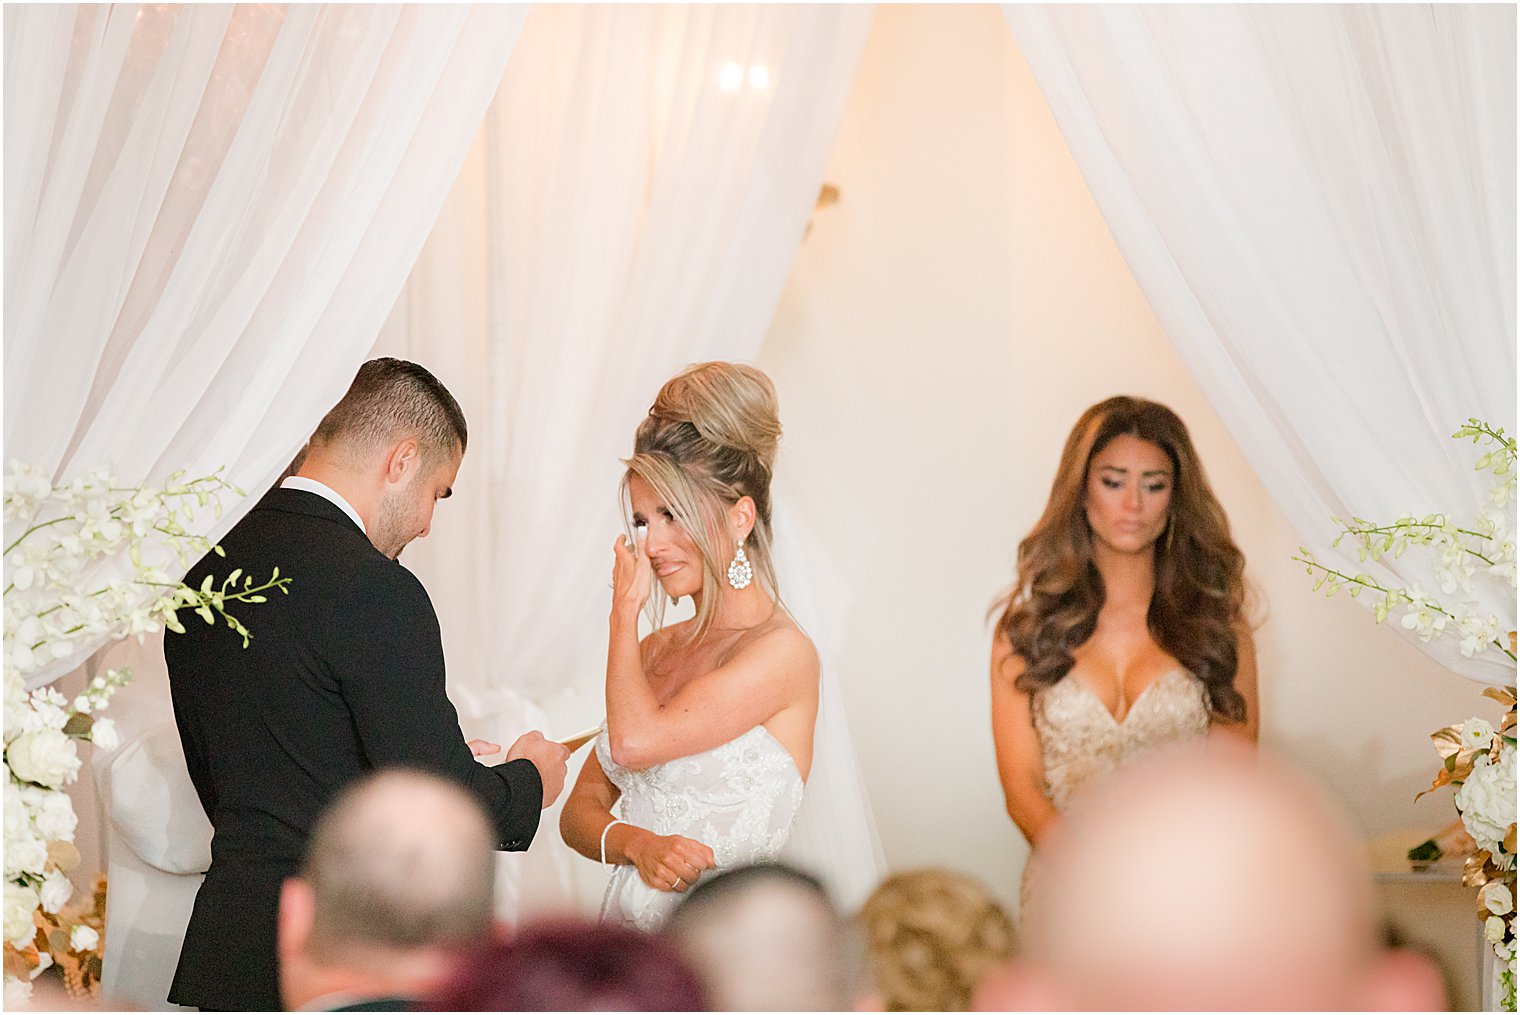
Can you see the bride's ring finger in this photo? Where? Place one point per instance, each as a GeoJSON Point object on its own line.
{"type": "Point", "coordinates": [675, 885]}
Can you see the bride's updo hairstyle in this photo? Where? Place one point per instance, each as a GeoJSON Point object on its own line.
{"type": "Point", "coordinates": [1200, 588]}
{"type": "Point", "coordinates": [709, 439]}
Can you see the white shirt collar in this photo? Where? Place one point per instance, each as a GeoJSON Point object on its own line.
{"type": "Point", "coordinates": [323, 490]}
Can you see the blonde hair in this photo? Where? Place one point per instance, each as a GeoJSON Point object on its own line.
{"type": "Point", "coordinates": [931, 935]}
{"type": "Point", "coordinates": [709, 439]}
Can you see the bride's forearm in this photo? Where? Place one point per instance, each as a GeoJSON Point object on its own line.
{"type": "Point", "coordinates": [583, 831]}
{"type": "Point", "coordinates": [582, 824]}
{"type": "Point", "coordinates": [632, 709]}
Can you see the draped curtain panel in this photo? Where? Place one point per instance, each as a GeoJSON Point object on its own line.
{"type": "Point", "coordinates": [648, 173]}
{"type": "Point", "coordinates": [209, 210]}
{"type": "Point", "coordinates": [1319, 203]}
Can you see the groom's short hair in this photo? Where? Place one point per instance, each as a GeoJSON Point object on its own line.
{"type": "Point", "coordinates": [403, 860]}
{"type": "Point", "coordinates": [391, 399]}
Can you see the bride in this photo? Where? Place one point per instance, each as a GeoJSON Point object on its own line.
{"type": "Point", "coordinates": [709, 734]}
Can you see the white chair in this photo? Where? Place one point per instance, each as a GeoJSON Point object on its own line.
{"type": "Point", "coordinates": [160, 848]}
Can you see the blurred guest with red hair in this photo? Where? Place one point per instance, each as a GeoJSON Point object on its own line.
{"type": "Point", "coordinates": [572, 965]}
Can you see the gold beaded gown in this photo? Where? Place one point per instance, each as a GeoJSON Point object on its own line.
{"type": "Point", "coordinates": [1081, 743]}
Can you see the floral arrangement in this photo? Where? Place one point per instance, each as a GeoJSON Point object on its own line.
{"type": "Point", "coordinates": [69, 588]}
{"type": "Point", "coordinates": [1476, 758]}
{"type": "Point", "coordinates": [1481, 550]}
{"type": "Point", "coordinates": [1480, 761]}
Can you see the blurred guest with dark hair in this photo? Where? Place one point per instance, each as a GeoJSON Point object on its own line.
{"type": "Point", "coordinates": [930, 936]}
{"type": "Point", "coordinates": [767, 938]}
{"type": "Point", "coordinates": [1207, 877]}
{"type": "Point", "coordinates": [573, 965]}
{"type": "Point", "coordinates": [398, 883]}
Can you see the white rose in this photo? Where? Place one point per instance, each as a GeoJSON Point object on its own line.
{"type": "Point", "coordinates": [1487, 799]}
{"type": "Point", "coordinates": [1477, 734]}
{"type": "Point", "coordinates": [103, 735]}
{"type": "Point", "coordinates": [56, 889]}
{"type": "Point", "coordinates": [15, 703]}
{"type": "Point", "coordinates": [46, 757]}
{"type": "Point", "coordinates": [46, 711]}
{"type": "Point", "coordinates": [1504, 951]}
{"type": "Point", "coordinates": [20, 902]}
{"type": "Point", "coordinates": [25, 850]}
{"type": "Point", "coordinates": [52, 813]}
{"type": "Point", "coordinates": [1498, 898]}
{"type": "Point", "coordinates": [83, 939]}
{"type": "Point", "coordinates": [1493, 930]}
{"type": "Point", "coordinates": [18, 993]}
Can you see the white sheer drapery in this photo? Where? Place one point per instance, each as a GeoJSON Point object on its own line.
{"type": "Point", "coordinates": [648, 174]}
{"type": "Point", "coordinates": [209, 211]}
{"type": "Point", "coordinates": [1319, 203]}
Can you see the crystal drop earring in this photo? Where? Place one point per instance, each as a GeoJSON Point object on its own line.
{"type": "Point", "coordinates": [739, 570]}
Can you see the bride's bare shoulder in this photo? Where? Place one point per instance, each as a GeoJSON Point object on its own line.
{"type": "Point", "coordinates": [781, 642]}
{"type": "Point", "coordinates": [658, 641]}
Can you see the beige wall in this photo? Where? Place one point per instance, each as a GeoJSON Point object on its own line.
{"type": "Point", "coordinates": [943, 326]}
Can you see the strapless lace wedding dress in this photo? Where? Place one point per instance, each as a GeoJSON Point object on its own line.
{"type": "Point", "coordinates": [739, 798]}
{"type": "Point", "coordinates": [1081, 743]}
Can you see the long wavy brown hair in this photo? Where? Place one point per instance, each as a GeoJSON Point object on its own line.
{"type": "Point", "coordinates": [1199, 598]}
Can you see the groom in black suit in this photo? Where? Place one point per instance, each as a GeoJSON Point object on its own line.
{"type": "Point", "coordinates": [344, 675]}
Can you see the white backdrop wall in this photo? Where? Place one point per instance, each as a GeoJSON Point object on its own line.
{"type": "Point", "coordinates": [943, 327]}
{"type": "Point", "coordinates": [639, 208]}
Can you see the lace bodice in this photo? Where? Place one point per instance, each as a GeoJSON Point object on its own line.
{"type": "Point", "coordinates": [739, 798]}
{"type": "Point", "coordinates": [1081, 742]}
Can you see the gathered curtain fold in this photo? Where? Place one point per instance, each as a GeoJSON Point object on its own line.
{"type": "Point", "coordinates": [209, 210]}
{"type": "Point", "coordinates": [647, 174]}
{"type": "Point", "coordinates": [1319, 203]}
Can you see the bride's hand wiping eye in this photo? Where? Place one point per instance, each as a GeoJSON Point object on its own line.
{"type": "Point", "coordinates": [631, 573]}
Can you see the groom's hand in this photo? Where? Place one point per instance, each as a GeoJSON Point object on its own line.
{"type": "Point", "coordinates": [547, 756]}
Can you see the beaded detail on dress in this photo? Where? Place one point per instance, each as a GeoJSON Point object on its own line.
{"type": "Point", "coordinates": [739, 798]}
{"type": "Point", "coordinates": [1081, 743]}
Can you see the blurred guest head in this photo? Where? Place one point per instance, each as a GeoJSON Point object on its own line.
{"type": "Point", "coordinates": [398, 881]}
{"type": "Point", "coordinates": [766, 938]}
{"type": "Point", "coordinates": [573, 965]}
{"type": "Point", "coordinates": [930, 936]}
{"type": "Point", "coordinates": [1208, 877]}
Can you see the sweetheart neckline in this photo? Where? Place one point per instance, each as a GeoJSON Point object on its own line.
{"type": "Point", "coordinates": [796, 770]}
{"type": "Point", "coordinates": [1120, 723]}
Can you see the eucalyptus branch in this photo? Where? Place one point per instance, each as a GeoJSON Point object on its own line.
{"type": "Point", "coordinates": [34, 528]}
{"type": "Point", "coordinates": [1367, 527]}
{"type": "Point", "coordinates": [1479, 430]}
{"type": "Point", "coordinates": [173, 490]}
{"type": "Point", "coordinates": [1391, 597]}
{"type": "Point", "coordinates": [201, 601]}
{"type": "Point", "coordinates": [1362, 530]}
{"type": "Point", "coordinates": [208, 604]}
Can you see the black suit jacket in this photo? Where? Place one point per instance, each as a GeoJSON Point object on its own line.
{"type": "Point", "coordinates": [343, 675]}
